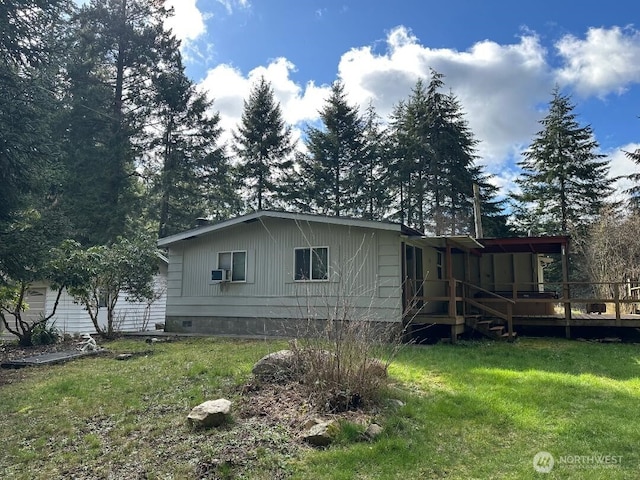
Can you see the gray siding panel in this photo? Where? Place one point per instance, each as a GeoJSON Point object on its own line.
{"type": "Point", "coordinates": [363, 269]}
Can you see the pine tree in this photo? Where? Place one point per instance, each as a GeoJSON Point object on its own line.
{"type": "Point", "coordinates": [434, 162]}
{"type": "Point", "coordinates": [29, 65]}
{"type": "Point", "coordinates": [564, 182]}
{"type": "Point", "coordinates": [634, 191]}
{"type": "Point", "coordinates": [191, 174]}
{"type": "Point", "coordinates": [372, 188]}
{"type": "Point", "coordinates": [117, 47]}
{"type": "Point", "coordinates": [328, 182]}
{"type": "Point", "coordinates": [263, 146]}
{"type": "Point", "coordinates": [30, 59]}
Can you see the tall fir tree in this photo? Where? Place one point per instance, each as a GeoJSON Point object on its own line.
{"type": "Point", "coordinates": [435, 162]}
{"type": "Point", "coordinates": [117, 47]}
{"type": "Point", "coordinates": [30, 59]}
{"type": "Point", "coordinates": [564, 181]}
{"type": "Point", "coordinates": [264, 147]}
{"type": "Point", "coordinates": [190, 172]}
{"type": "Point", "coordinates": [634, 190]}
{"type": "Point", "coordinates": [328, 182]}
{"type": "Point", "coordinates": [372, 192]}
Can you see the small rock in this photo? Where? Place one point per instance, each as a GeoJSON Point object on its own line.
{"type": "Point", "coordinates": [611, 340]}
{"type": "Point", "coordinates": [394, 402]}
{"type": "Point", "coordinates": [211, 413]}
{"type": "Point", "coordinates": [124, 356]}
{"type": "Point", "coordinates": [374, 430]}
{"type": "Point", "coordinates": [311, 422]}
{"type": "Point", "coordinates": [321, 434]}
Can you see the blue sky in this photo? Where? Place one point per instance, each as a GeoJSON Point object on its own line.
{"type": "Point", "coordinates": [501, 58]}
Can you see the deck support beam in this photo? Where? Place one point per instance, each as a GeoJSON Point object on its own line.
{"type": "Point", "coordinates": [566, 292]}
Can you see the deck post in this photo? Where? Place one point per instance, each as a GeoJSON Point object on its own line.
{"type": "Point", "coordinates": [566, 292]}
{"type": "Point", "coordinates": [510, 320]}
{"type": "Point", "coordinates": [452, 298]}
{"type": "Point", "coordinates": [616, 302]}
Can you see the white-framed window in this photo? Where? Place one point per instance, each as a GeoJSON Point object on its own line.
{"type": "Point", "coordinates": [311, 263]}
{"type": "Point", "coordinates": [236, 263]}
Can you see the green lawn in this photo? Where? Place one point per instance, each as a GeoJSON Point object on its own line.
{"type": "Point", "coordinates": [476, 410]}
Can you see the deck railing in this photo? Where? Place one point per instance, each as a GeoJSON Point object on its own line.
{"type": "Point", "coordinates": [504, 300]}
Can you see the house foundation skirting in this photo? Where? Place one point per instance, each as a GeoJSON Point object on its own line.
{"type": "Point", "coordinates": [274, 327]}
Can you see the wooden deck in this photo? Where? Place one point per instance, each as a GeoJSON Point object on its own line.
{"type": "Point", "coordinates": [579, 320]}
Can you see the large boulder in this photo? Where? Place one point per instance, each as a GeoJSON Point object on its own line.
{"type": "Point", "coordinates": [211, 413]}
{"type": "Point", "coordinates": [278, 366]}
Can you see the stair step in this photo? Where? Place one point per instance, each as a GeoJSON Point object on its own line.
{"type": "Point", "coordinates": [506, 335]}
{"type": "Point", "coordinates": [496, 328]}
{"type": "Point", "coordinates": [484, 322]}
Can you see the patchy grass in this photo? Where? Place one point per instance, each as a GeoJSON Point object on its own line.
{"type": "Point", "coordinates": [475, 410]}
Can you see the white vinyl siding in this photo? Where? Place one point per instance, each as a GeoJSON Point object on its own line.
{"type": "Point", "coordinates": [131, 316]}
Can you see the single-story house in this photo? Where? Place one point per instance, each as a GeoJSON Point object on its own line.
{"type": "Point", "coordinates": [72, 318]}
{"type": "Point", "coordinates": [274, 273]}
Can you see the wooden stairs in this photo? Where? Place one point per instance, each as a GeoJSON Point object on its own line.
{"type": "Point", "coordinates": [493, 328]}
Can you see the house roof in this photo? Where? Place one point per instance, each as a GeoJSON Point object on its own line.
{"type": "Point", "coordinates": [298, 217]}
{"type": "Point", "coordinates": [525, 244]}
{"type": "Point", "coordinates": [460, 242]}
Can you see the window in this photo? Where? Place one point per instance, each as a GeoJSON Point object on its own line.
{"type": "Point", "coordinates": [311, 263]}
{"type": "Point", "coordinates": [439, 263]}
{"type": "Point", "coordinates": [234, 262]}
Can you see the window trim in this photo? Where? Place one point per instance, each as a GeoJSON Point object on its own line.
{"type": "Point", "coordinates": [439, 264]}
{"type": "Point", "coordinates": [233, 252]}
{"type": "Point", "coordinates": [311, 256]}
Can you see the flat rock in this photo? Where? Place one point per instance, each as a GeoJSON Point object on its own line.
{"type": "Point", "coordinates": [321, 434]}
{"type": "Point", "coordinates": [211, 413]}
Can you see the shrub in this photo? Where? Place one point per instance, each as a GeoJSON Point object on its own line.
{"type": "Point", "coordinates": [45, 333]}
{"type": "Point", "coordinates": [344, 367]}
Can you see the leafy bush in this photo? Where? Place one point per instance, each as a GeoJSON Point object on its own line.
{"type": "Point", "coordinates": [45, 333]}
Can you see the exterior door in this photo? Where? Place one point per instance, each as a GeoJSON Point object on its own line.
{"type": "Point", "coordinates": [414, 277]}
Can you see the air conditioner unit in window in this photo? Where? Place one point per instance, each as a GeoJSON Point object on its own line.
{"type": "Point", "coordinates": [219, 276]}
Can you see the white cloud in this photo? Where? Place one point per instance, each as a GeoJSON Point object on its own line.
{"type": "Point", "coordinates": [606, 61]}
{"type": "Point", "coordinates": [228, 87]}
{"type": "Point", "coordinates": [187, 22]}
{"type": "Point", "coordinates": [498, 85]}
{"type": "Point", "coordinates": [503, 89]}
{"type": "Point", "coordinates": [621, 166]}
{"type": "Point", "coordinates": [231, 5]}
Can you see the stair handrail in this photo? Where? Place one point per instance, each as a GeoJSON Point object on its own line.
{"type": "Point", "coordinates": [494, 294]}
{"type": "Point", "coordinates": [508, 317]}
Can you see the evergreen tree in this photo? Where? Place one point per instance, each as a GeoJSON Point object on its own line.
{"type": "Point", "coordinates": [434, 162]}
{"type": "Point", "coordinates": [29, 50]}
{"type": "Point", "coordinates": [30, 220]}
{"type": "Point", "coordinates": [328, 170]}
{"type": "Point", "coordinates": [263, 146]}
{"type": "Point", "coordinates": [191, 174]}
{"type": "Point", "coordinates": [117, 49]}
{"type": "Point", "coordinates": [564, 182]}
{"type": "Point", "coordinates": [401, 166]}
{"type": "Point", "coordinates": [372, 192]}
{"type": "Point", "coordinates": [634, 191]}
